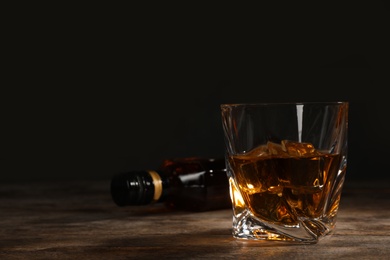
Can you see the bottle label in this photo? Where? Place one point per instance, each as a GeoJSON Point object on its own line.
{"type": "Point", "coordinates": [157, 185]}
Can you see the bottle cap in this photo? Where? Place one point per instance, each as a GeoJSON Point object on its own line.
{"type": "Point", "coordinates": [132, 188]}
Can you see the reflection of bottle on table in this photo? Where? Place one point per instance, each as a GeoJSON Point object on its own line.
{"type": "Point", "coordinates": [195, 184]}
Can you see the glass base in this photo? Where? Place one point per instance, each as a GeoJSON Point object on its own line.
{"type": "Point", "coordinates": [247, 226]}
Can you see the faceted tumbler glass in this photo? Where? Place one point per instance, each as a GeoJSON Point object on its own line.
{"type": "Point", "coordinates": [286, 164]}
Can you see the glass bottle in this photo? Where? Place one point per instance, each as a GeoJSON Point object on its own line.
{"type": "Point", "coordinates": [194, 184]}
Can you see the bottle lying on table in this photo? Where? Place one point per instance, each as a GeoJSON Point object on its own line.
{"type": "Point", "coordinates": [194, 184]}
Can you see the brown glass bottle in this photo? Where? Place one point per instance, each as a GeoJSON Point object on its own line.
{"type": "Point", "coordinates": [195, 184]}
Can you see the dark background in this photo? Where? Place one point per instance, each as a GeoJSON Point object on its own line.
{"type": "Point", "coordinates": [95, 95]}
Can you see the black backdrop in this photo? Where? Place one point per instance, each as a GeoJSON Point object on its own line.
{"type": "Point", "coordinates": [97, 99]}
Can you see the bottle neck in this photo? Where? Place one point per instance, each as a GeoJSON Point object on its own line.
{"type": "Point", "coordinates": [157, 183]}
{"type": "Point", "coordinates": [138, 187]}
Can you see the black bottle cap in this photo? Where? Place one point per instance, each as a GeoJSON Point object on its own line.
{"type": "Point", "coordinates": [132, 188]}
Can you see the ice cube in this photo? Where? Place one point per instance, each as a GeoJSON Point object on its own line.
{"type": "Point", "coordinates": [272, 208]}
{"type": "Point", "coordinates": [299, 149]}
{"type": "Point", "coordinates": [276, 149]}
{"type": "Point", "coordinates": [261, 150]}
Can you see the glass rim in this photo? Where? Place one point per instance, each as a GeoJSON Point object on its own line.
{"type": "Point", "coordinates": [285, 103]}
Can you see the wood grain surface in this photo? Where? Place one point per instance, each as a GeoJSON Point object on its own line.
{"type": "Point", "coordinates": [78, 220]}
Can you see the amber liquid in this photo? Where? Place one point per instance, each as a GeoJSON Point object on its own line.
{"type": "Point", "coordinates": [281, 184]}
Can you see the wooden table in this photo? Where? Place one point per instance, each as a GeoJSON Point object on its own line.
{"type": "Point", "coordinates": [78, 220]}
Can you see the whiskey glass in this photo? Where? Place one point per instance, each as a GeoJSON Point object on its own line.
{"type": "Point", "coordinates": [286, 164]}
